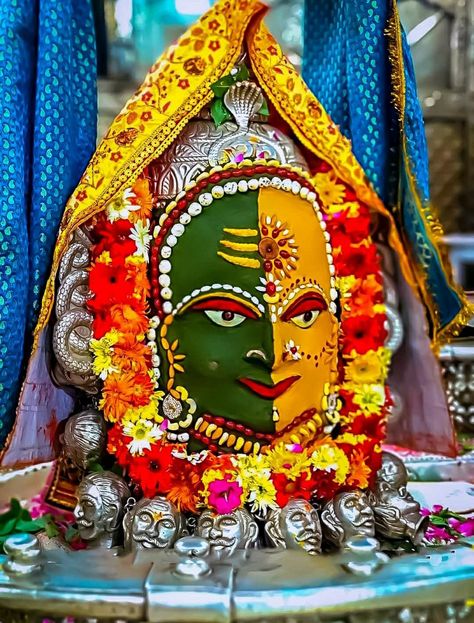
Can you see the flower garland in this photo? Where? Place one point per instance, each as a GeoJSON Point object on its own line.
{"type": "Point", "coordinates": [126, 360]}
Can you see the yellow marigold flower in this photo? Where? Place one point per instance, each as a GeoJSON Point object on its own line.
{"type": "Point", "coordinates": [148, 412]}
{"type": "Point", "coordinates": [370, 398]}
{"type": "Point", "coordinates": [261, 493]}
{"type": "Point", "coordinates": [351, 439]}
{"type": "Point", "coordinates": [292, 464]}
{"type": "Point", "coordinates": [345, 285]}
{"type": "Point", "coordinates": [327, 458]}
{"type": "Point", "coordinates": [104, 258]}
{"type": "Point", "coordinates": [103, 352]}
{"type": "Point", "coordinates": [367, 368]}
{"type": "Point", "coordinates": [329, 190]}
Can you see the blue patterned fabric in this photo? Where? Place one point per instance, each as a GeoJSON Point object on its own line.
{"type": "Point", "coordinates": [48, 114]}
{"type": "Point", "coordinates": [346, 63]}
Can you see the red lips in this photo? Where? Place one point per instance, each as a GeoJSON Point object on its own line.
{"type": "Point", "coordinates": [269, 391]}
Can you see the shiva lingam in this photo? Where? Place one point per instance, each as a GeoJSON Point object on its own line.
{"type": "Point", "coordinates": [242, 400]}
{"type": "Point", "coordinates": [223, 338]}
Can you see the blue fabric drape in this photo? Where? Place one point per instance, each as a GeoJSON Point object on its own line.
{"type": "Point", "coordinates": [348, 66]}
{"type": "Point", "coordinates": [48, 113]}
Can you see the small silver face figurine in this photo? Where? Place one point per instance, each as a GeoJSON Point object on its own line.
{"type": "Point", "coordinates": [226, 533]}
{"type": "Point", "coordinates": [295, 526]}
{"type": "Point", "coordinates": [152, 524]}
{"type": "Point", "coordinates": [84, 437]}
{"type": "Point", "coordinates": [101, 497]}
{"type": "Point", "coordinates": [397, 513]}
{"type": "Point", "coordinates": [347, 515]}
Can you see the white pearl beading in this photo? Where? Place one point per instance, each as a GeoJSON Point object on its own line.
{"type": "Point", "coordinates": [204, 200]}
{"type": "Point", "coordinates": [219, 286]}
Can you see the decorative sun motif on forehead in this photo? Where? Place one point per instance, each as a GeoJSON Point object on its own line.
{"type": "Point", "coordinates": [277, 247]}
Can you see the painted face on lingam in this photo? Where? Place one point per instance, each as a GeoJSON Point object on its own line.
{"type": "Point", "coordinates": [246, 296]}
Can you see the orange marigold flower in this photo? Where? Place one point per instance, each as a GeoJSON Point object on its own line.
{"type": "Point", "coordinates": [138, 271]}
{"type": "Point", "coordinates": [123, 391]}
{"type": "Point", "coordinates": [365, 294]}
{"type": "Point", "coordinates": [128, 318]}
{"type": "Point", "coordinates": [131, 355]}
{"type": "Point", "coordinates": [185, 485]}
{"type": "Point", "coordinates": [360, 471]}
{"type": "Point", "coordinates": [141, 189]}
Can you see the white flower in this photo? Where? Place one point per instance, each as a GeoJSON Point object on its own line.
{"type": "Point", "coordinates": [143, 434]}
{"type": "Point", "coordinates": [293, 350]}
{"type": "Point", "coordinates": [121, 206]}
{"type": "Point", "coordinates": [141, 237]}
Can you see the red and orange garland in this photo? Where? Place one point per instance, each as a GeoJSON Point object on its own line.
{"type": "Point", "coordinates": [127, 361]}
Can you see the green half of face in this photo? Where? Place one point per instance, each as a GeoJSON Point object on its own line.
{"type": "Point", "coordinates": [224, 335]}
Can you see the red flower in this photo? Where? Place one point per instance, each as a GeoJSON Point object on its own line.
{"type": "Point", "coordinates": [183, 83]}
{"type": "Point", "coordinates": [152, 471]}
{"type": "Point", "coordinates": [358, 261]}
{"type": "Point", "coordinates": [111, 284]}
{"type": "Point", "coordinates": [326, 486]}
{"type": "Point", "coordinates": [145, 116]}
{"type": "Point", "coordinates": [213, 25]}
{"type": "Point", "coordinates": [346, 230]}
{"type": "Point", "coordinates": [301, 487]}
{"type": "Point", "coordinates": [81, 195]}
{"type": "Point", "coordinates": [117, 445]}
{"type": "Point", "coordinates": [363, 333]}
{"type": "Point", "coordinates": [214, 45]}
{"type": "Point", "coordinates": [273, 51]}
{"type": "Point", "coordinates": [116, 156]}
{"type": "Point", "coordinates": [146, 97]}
{"type": "Point", "coordinates": [115, 238]}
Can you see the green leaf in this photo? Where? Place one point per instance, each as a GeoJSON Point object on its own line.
{"type": "Point", "coordinates": [70, 534]}
{"type": "Point", "coordinates": [219, 112]}
{"type": "Point", "coordinates": [222, 85]}
{"type": "Point", "coordinates": [264, 110]}
{"type": "Point", "coordinates": [242, 74]}
{"type": "Point", "coordinates": [8, 527]}
{"type": "Point", "coordinates": [438, 521]}
{"type": "Point", "coordinates": [93, 466]}
{"type": "Point", "coordinates": [50, 527]}
{"type": "Point", "coordinates": [31, 525]}
{"type": "Point", "coordinates": [12, 513]}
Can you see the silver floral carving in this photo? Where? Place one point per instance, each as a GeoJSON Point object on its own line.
{"type": "Point", "coordinates": [187, 157]}
{"type": "Point", "coordinates": [84, 438]}
{"type": "Point", "coordinates": [152, 524]}
{"type": "Point", "coordinates": [73, 327]}
{"type": "Point", "coordinates": [346, 516]}
{"type": "Point", "coordinates": [101, 497]}
{"type": "Point", "coordinates": [295, 526]}
{"type": "Point", "coordinates": [229, 532]}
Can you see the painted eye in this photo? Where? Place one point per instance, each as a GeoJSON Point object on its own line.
{"type": "Point", "coordinates": [306, 319]}
{"type": "Point", "coordinates": [225, 318]}
{"type": "Point", "coordinates": [305, 311]}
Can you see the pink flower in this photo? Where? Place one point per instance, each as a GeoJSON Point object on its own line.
{"type": "Point", "coordinates": [238, 157]}
{"type": "Point", "coordinates": [425, 512]}
{"type": "Point", "coordinates": [437, 508]}
{"type": "Point", "coordinates": [466, 528]}
{"type": "Point", "coordinates": [436, 534]}
{"type": "Point", "coordinates": [225, 495]}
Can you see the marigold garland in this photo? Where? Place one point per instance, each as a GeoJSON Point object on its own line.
{"type": "Point", "coordinates": [126, 360]}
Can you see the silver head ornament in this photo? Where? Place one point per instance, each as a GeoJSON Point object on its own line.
{"type": "Point", "coordinates": [227, 533]}
{"type": "Point", "coordinates": [346, 516]}
{"type": "Point", "coordinates": [397, 513]}
{"type": "Point", "coordinates": [101, 497]}
{"type": "Point", "coordinates": [295, 526]}
{"type": "Point", "coordinates": [84, 438]}
{"type": "Point", "coordinates": [152, 524]}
